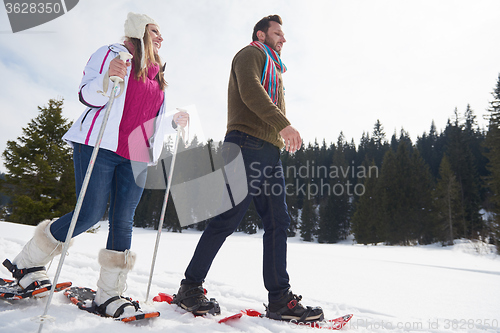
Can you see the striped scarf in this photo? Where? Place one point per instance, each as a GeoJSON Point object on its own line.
{"type": "Point", "coordinates": [270, 75]}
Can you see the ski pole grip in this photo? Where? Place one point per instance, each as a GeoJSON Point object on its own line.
{"type": "Point", "coordinates": [123, 56]}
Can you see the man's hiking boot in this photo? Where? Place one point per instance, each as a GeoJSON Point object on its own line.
{"type": "Point", "coordinates": [288, 308]}
{"type": "Point", "coordinates": [191, 297]}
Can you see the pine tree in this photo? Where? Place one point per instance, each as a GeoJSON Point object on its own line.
{"type": "Point", "coordinates": [492, 144]}
{"type": "Point", "coordinates": [363, 148]}
{"type": "Point", "coordinates": [323, 163]}
{"type": "Point", "coordinates": [378, 134]}
{"type": "Point", "coordinates": [367, 221]}
{"type": "Point", "coordinates": [300, 161]}
{"type": "Point", "coordinates": [431, 150]}
{"type": "Point", "coordinates": [393, 190]}
{"type": "Point", "coordinates": [288, 163]}
{"type": "Point", "coordinates": [251, 221]}
{"type": "Point", "coordinates": [448, 207]}
{"type": "Point", "coordinates": [463, 165]}
{"type": "Point", "coordinates": [378, 144]}
{"type": "Point", "coordinates": [421, 198]}
{"type": "Point", "coordinates": [309, 220]}
{"type": "Point", "coordinates": [148, 211]}
{"type": "Point", "coordinates": [4, 200]}
{"type": "Point", "coordinates": [404, 137]}
{"type": "Point", "coordinates": [405, 190]}
{"type": "Point", "coordinates": [334, 213]}
{"type": "Point", "coordinates": [40, 168]}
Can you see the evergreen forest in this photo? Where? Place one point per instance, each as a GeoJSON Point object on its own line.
{"type": "Point", "coordinates": [383, 189]}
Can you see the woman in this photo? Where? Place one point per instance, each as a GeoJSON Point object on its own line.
{"type": "Point", "coordinates": [139, 104]}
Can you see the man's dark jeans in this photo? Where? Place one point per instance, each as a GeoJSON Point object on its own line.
{"type": "Point", "coordinates": [266, 187]}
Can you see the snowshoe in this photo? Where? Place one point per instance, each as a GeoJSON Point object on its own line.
{"type": "Point", "coordinates": [191, 297]}
{"type": "Point", "coordinates": [10, 290]}
{"type": "Point", "coordinates": [290, 309]}
{"type": "Point", "coordinates": [35, 279]}
{"type": "Point", "coordinates": [84, 299]}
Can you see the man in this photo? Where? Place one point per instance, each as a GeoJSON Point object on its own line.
{"type": "Point", "coordinates": [258, 125]}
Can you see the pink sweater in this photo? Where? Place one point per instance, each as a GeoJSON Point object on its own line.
{"type": "Point", "coordinates": [142, 103]}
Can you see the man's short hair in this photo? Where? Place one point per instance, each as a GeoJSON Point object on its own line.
{"type": "Point", "coordinates": [263, 25]}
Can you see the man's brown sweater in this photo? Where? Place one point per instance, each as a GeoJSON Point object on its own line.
{"type": "Point", "coordinates": [250, 109]}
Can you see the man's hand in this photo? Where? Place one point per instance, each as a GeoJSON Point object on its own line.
{"type": "Point", "coordinates": [292, 138]}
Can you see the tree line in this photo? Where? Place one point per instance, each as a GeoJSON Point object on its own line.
{"type": "Point", "coordinates": [442, 187]}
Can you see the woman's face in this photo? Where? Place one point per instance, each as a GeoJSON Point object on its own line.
{"type": "Point", "coordinates": [154, 33]}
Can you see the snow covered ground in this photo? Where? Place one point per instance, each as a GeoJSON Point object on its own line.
{"type": "Point", "coordinates": [388, 289]}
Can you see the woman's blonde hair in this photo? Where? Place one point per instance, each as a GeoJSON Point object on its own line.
{"type": "Point", "coordinates": [150, 59]}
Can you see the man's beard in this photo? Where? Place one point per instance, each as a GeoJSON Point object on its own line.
{"type": "Point", "coordinates": [269, 43]}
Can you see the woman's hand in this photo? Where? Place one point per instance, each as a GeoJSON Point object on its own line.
{"type": "Point", "coordinates": [118, 68]}
{"type": "Point", "coordinates": [181, 118]}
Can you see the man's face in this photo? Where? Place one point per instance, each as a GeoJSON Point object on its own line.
{"type": "Point", "coordinates": [275, 37]}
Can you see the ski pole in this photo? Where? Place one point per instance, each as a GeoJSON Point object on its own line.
{"type": "Point", "coordinates": [116, 80]}
{"type": "Point", "coordinates": [163, 209]}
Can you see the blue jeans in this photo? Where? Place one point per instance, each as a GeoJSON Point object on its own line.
{"type": "Point", "coordinates": [112, 180]}
{"type": "Point", "coordinates": [266, 187]}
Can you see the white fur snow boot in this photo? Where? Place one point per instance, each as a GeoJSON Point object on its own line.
{"type": "Point", "coordinates": [115, 266]}
{"type": "Point", "coordinates": [28, 266]}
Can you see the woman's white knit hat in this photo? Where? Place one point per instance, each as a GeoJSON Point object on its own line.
{"type": "Point", "coordinates": [135, 26]}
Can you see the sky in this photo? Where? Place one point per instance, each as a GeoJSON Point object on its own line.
{"type": "Point", "coordinates": [350, 62]}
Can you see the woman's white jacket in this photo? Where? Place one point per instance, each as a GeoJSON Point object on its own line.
{"type": "Point", "coordinates": [91, 93]}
